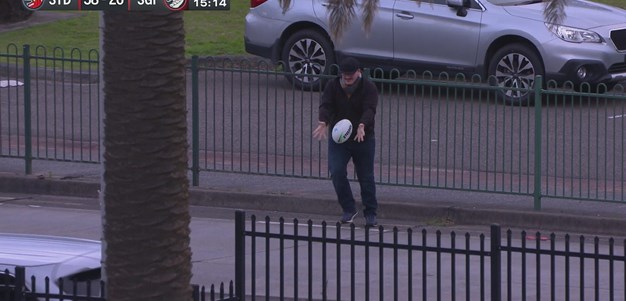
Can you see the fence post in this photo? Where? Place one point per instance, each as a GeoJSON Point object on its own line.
{"type": "Point", "coordinates": [28, 150]}
{"type": "Point", "coordinates": [20, 283]}
{"type": "Point", "coordinates": [240, 253]}
{"type": "Point", "coordinates": [195, 124]}
{"type": "Point", "coordinates": [496, 269]}
{"type": "Point", "coordinates": [195, 293]}
{"type": "Point", "coordinates": [538, 148]}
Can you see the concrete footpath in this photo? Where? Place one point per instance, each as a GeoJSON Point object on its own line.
{"type": "Point", "coordinates": [417, 206]}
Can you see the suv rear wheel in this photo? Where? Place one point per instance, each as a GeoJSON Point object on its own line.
{"type": "Point", "coordinates": [307, 54]}
{"type": "Point", "coordinates": [514, 67]}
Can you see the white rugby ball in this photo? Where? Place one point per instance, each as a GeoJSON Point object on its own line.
{"type": "Point", "coordinates": [342, 131]}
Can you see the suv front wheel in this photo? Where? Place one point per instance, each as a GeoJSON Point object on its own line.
{"type": "Point", "coordinates": [306, 55]}
{"type": "Point", "coordinates": [513, 68]}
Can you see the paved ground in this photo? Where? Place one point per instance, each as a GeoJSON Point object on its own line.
{"type": "Point", "coordinates": [213, 249]}
{"type": "Point", "coordinates": [309, 196]}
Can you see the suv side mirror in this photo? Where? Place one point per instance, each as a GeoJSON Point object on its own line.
{"type": "Point", "coordinates": [461, 11]}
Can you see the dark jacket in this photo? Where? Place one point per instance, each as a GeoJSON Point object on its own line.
{"type": "Point", "coordinates": [360, 107]}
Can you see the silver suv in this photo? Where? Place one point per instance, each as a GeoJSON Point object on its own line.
{"type": "Point", "coordinates": [506, 41]}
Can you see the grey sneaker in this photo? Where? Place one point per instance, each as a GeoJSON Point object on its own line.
{"type": "Point", "coordinates": [348, 217]}
{"type": "Point", "coordinates": [370, 221]}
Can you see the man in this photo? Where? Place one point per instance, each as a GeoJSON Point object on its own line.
{"type": "Point", "coordinates": [350, 96]}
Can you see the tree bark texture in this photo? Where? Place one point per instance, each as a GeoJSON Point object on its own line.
{"type": "Point", "coordinates": [146, 199]}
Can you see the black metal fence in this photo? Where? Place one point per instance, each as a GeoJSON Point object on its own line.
{"type": "Point", "coordinates": [294, 261]}
{"type": "Point", "coordinates": [17, 286]}
{"type": "Point", "coordinates": [281, 260]}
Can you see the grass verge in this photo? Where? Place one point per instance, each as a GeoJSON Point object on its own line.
{"type": "Point", "coordinates": [207, 32]}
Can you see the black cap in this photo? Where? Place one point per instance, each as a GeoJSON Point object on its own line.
{"type": "Point", "coordinates": [349, 65]}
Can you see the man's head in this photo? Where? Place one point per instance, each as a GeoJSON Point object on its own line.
{"type": "Point", "coordinates": [350, 70]}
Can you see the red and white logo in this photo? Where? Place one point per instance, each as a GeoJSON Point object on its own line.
{"type": "Point", "coordinates": [175, 5]}
{"type": "Point", "coordinates": [33, 4]}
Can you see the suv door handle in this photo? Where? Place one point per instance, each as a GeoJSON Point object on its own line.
{"type": "Point", "coordinates": [404, 15]}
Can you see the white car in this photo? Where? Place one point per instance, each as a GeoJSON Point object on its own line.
{"type": "Point", "coordinates": [60, 258]}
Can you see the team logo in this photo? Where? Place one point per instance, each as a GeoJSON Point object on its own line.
{"type": "Point", "coordinates": [175, 4]}
{"type": "Point", "coordinates": [33, 4]}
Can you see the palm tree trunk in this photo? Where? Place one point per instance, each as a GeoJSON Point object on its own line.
{"type": "Point", "coordinates": [145, 191]}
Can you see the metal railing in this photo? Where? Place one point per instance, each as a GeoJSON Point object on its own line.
{"type": "Point", "coordinates": [290, 260]}
{"type": "Point", "coordinates": [17, 286]}
{"type": "Point", "coordinates": [431, 131]}
{"type": "Point", "coordinates": [49, 105]}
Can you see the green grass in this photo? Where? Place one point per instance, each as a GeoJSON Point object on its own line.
{"type": "Point", "coordinates": [207, 32]}
{"type": "Point", "coordinates": [616, 3]}
{"type": "Point", "coordinates": [84, 34]}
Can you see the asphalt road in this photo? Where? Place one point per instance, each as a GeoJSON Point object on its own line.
{"type": "Point", "coordinates": [212, 243]}
{"type": "Point", "coordinates": [212, 235]}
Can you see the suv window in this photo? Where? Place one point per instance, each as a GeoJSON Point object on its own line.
{"type": "Point", "coordinates": [473, 4]}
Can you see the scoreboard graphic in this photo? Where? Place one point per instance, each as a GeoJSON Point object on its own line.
{"type": "Point", "coordinates": [127, 5]}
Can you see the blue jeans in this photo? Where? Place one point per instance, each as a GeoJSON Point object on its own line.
{"type": "Point", "coordinates": [362, 155]}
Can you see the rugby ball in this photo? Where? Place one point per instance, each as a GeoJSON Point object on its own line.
{"type": "Point", "coordinates": [342, 131]}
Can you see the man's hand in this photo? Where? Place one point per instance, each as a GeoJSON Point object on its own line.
{"type": "Point", "coordinates": [360, 133]}
{"type": "Point", "coordinates": [320, 131]}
